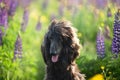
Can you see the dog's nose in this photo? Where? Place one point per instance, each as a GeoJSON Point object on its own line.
{"type": "Point", "coordinates": [53, 53]}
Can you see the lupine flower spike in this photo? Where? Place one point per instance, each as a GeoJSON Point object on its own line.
{"type": "Point", "coordinates": [7, 3]}
{"type": "Point", "coordinates": [101, 3]}
{"type": "Point", "coordinates": [61, 10]}
{"type": "Point", "coordinates": [45, 4]}
{"type": "Point", "coordinates": [109, 13]}
{"type": "Point", "coordinates": [116, 36]}
{"type": "Point", "coordinates": [39, 25]}
{"type": "Point", "coordinates": [18, 48]}
{"type": "Point", "coordinates": [3, 17]}
{"type": "Point", "coordinates": [25, 20]}
{"type": "Point", "coordinates": [25, 3]}
{"type": "Point", "coordinates": [100, 45]}
{"type": "Point", "coordinates": [12, 8]}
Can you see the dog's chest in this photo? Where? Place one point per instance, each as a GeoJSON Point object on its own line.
{"type": "Point", "coordinates": [59, 72]}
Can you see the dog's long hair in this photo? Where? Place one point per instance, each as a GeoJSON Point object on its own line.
{"type": "Point", "coordinates": [60, 48]}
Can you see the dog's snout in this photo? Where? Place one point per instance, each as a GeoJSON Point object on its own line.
{"type": "Point", "coordinates": [53, 48]}
{"type": "Point", "coordinates": [53, 53]}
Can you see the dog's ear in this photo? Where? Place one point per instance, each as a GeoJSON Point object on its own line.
{"type": "Point", "coordinates": [73, 54]}
{"type": "Point", "coordinates": [43, 52]}
{"type": "Point", "coordinates": [45, 48]}
{"type": "Point", "coordinates": [74, 47]}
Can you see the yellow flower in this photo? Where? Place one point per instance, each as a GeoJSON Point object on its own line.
{"type": "Point", "coordinates": [102, 67]}
{"type": "Point", "coordinates": [44, 19]}
{"type": "Point", "coordinates": [34, 14]}
{"type": "Point", "coordinates": [102, 15]}
{"type": "Point", "coordinates": [97, 77]}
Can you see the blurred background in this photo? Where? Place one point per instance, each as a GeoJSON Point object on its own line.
{"type": "Point", "coordinates": [23, 24]}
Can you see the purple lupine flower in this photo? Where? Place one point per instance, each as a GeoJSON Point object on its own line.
{"type": "Point", "coordinates": [25, 20]}
{"type": "Point", "coordinates": [61, 10]}
{"type": "Point", "coordinates": [100, 45]}
{"type": "Point", "coordinates": [70, 4]}
{"type": "Point", "coordinates": [3, 17]}
{"type": "Point", "coordinates": [45, 4]}
{"type": "Point", "coordinates": [24, 3]}
{"type": "Point", "coordinates": [101, 3]}
{"type": "Point", "coordinates": [39, 25]}
{"type": "Point", "coordinates": [116, 36]}
{"type": "Point", "coordinates": [116, 2]}
{"type": "Point", "coordinates": [12, 8]}
{"type": "Point", "coordinates": [1, 37]}
{"type": "Point", "coordinates": [0, 1]}
{"type": "Point", "coordinates": [18, 48]}
{"type": "Point", "coordinates": [7, 3]}
{"type": "Point", "coordinates": [109, 13]}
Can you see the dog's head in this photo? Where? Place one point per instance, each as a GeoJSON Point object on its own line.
{"type": "Point", "coordinates": [60, 43]}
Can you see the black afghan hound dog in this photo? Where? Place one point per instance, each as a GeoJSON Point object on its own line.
{"type": "Point", "coordinates": [60, 48]}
